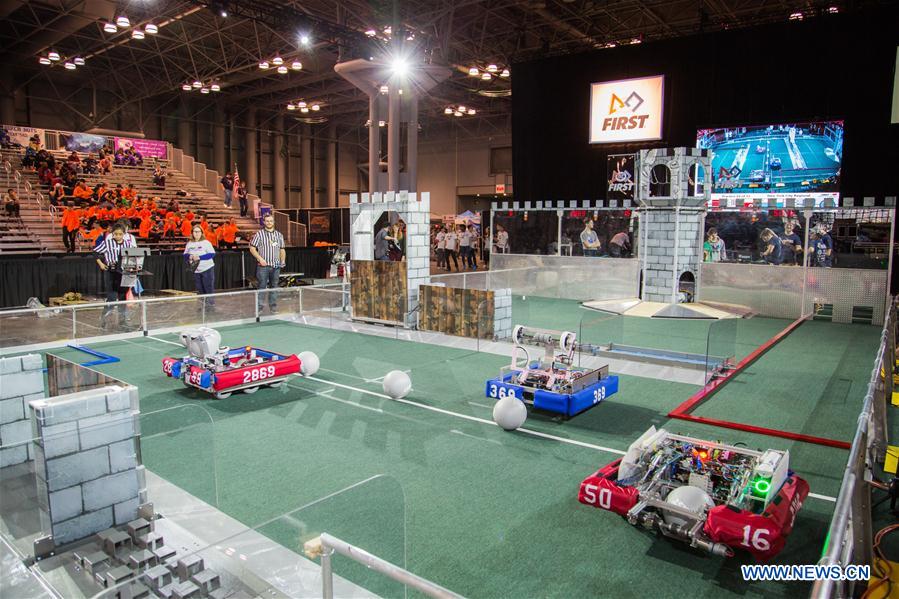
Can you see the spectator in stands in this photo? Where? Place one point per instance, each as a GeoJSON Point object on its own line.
{"type": "Point", "coordinates": [93, 234]}
{"type": "Point", "coordinates": [57, 194]}
{"type": "Point", "coordinates": [173, 206]}
{"type": "Point", "coordinates": [452, 247]}
{"type": "Point", "coordinates": [82, 192]}
{"type": "Point", "coordinates": [119, 157]}
{"type": "Point", "coordinates": [267, 247]}
{"type": "Point", "coordinates": [171, 224]}
{"type": "Point", "coordinates": [5, 141]}
{"type": "Point", "coordinates": [464, 245]}
{"type": "Point", "coordinates": [159, 176]}
{"type": "Point", "coordinates": [129, 194]}
{"type": "Point", "coordinates": [105, 165]}
{"type": "Point", "coordinates": [74, 161]}
{"type": "Point", "coordinates": [11, 204]}
{"type": "Point", "coordinates": [229, 235]}
{"type": "Point", "coordinates": [228, 186]}
{"type": "Point", "coordinates": [440, 247]}
{"type": "Point", "coordinates": [187, 224]}
{"type": "Point", "coordinates": [242, 197]}
{"type": "Point", "coordinates": [109, 254]}
{"type": "Point", "coordinates": [475, 244]}
{"type": "Point", "coordinates": [71, 221]}
{"type": "Point", "coordinates": [89, 165]}
{"type": "Point", "coordinates": [199, 254]}
{"type": "Point", "coordinates": [32, 157]}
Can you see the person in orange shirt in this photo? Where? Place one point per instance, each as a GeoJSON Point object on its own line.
{"type": "Point", "coordinates": [171, 225]}
{"type": "Point", "coordinates": [71, 220]}
{"type": "Point", "coordinates": [93, 234]}
{"type": "Point", "coordinates": [129, 193]}
{"type": "Point", "coordinates": [190, 216]}
{"type": "Point", "coordinates": [145, 212]}
{"type": "Point", "coordinates": [212, 236]}
{"type": "Point", "coordinates": [187, 224]}
{"type": "Point", "coordinates": [229, 235]}
{"type": "Point", "coordinates": [146, 225]}
{"type": "Point", "coordinates": [82, 191]}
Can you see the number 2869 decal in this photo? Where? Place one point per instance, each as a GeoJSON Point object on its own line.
{"type": "Point", "coordinates": [258, 374]}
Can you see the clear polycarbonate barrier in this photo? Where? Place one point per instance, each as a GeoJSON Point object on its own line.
{"type": "Point", "coordinates": [533, 232]}
{"type": "Point", "coordinates": [606, 224]}
{"type": "Point", "coordinates": [599, 332]}
{"type": "Point", "coordinates": [850, 238]}
{"type": "Point", "coordinates": [278, 553]}
{"type": "Point", "coordinates": [721, 347]}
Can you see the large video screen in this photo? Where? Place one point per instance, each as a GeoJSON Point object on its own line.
{"type": "Point", "coordinates": [792, 160]}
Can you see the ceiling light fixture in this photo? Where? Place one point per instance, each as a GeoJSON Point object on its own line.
{"type": "Point", "coordinates": [301, 104]}
{"type": "Point", "coordinates": [796, 16]}
{"type": "Point", "coordinates": [833, 10]}
{"type": "Point", "coordinates": [78, 61]}
{"type": "Point", "coordinates": [186, 87]}
{"type": "Point", "coordinates": [70, 66]}
{"type": "Point", "coordinates": [215, 87]}
{"type": "Point", "coordinates": [110, 27]}
{"type": "Point", "coordinates": [316, 107]}
{"type": "Point", "coordinates": [304, 39]}
{"type": "Point", "coordinates": [44, 60]}
{"type": "Point", "coordinates": [447, 110]}
{"type": "Point", "coordinates": [457, 113]}
{"type": "Point", "coordinates": [505, 73]}
{"type": "Point", "coordinates": [461, 108]}
{"type": "Point", "coordinates": [204, 90]}
{"type": "Point", "coordinates": [304, 110]}
{"type": "Point", "coordinates": [123, 21]}
{"type": "Point", "coordinates": [296, 65]}
{"type": "Point", "coordinates": [486, 76]}
{"type": "Point", "coordinates": [384, 89]}
{"type": "Point", "coordinates": [198, 84]}
{"type": "Point", "coordinates": [282, 69]}
{"type": "Point", "coordinates": [263, 65]}
{"type": "Point", "coordinates": [151, 29]}
{"type": "Point", "coordinates": [291, 106]}
{"type": "Point", "coordinates": [492, 68]}
{"type": "Point", "coordinates": [471, 112]}
{"type": "Point", "coordinates": [371, 33]}
{"type": "Point", "coordinates": [473, 72]}
{"type": "Point", "coordinates": [137, 34]}
{"type": "Point", "coordinates": [277, 61]}
{"type": "Point", "coordinates": [382, 123]}
{"type": "Point", "coordinates": [53, 55]}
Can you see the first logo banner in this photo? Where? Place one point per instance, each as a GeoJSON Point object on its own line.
{"type": "Point", "coordinates": [627, 110]}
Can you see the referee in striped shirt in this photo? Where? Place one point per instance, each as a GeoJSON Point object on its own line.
{"type": "Point", "coordinates": [267, 246]}
{"type": "Point", "coordinates": [109, 256]}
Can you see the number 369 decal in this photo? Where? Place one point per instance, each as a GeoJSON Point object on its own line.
{"type": "Point", "coordinates": [499, 392]}
{"type": "Point", "coordinates": [257, 374]}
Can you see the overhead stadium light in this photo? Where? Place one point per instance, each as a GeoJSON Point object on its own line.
{"type": "Point", "coordinates": [44, 60]}
{"type": "Point", "coordinates": [371, 33]}
{"type": "Point", "coordinates": [78, 61]}
{"type": "Point", "coordinates": [471, 112]}
{"type": "Point", "coordinates": [70, 66]}
{"type": "Point", "coordinates": [384, 89]}
{"type": "Point", "coordinates": [198, 84]}
{"type": "Point", "coordinates": [796, 16]}
{"type": "Point", "coordinates": [296, 65]}
{"type": "Point", "coordinates": [137, 34]}
{"type": "Point", "coordinates": [448, 110]}
{"type": "Point", "coordinates": [304, 39]}
{"type": "Point", "coordinates": [457, 113]}
{"type": "Point", "coordinates": [316, 108]}
{"type": "Point", "coordinates": [291, 106]}
{"type": "Point", "coordinates": [110, 27]}
{"type": "Point", "coordinates": [833, 10]}
{"type": "Point", "coordinates": [282, 69]}
{"type": "Point", "coordinates": [505, 73]}
{"type": "Point", "coordinates": [473, 72]}
{"type": "Point", "coordinates": [400, 66]}
{"type": "Point", "coordinates": [53, 55]}
{"type": "Point", "coordinates": [123, 21]}
{"type": "Point", "coordinates": [486, 76]}
{"type": "Point", "coordinates": [492, 68]}
{"type": "Point", "coordinates": [204, 90]}
{"type": "Point", "coordinates": [263, 65]}
{"type": "Point", "coordinates": [186, 87]}
{"type": "Point", "coordinates": [301, 104]}
{"type": "Point", "coordinates": [277, 61]}
{"type": "Point", "coordinates": [151, 29]}
{"type": "Point", "coordinates": [215, 87]}
{"type": "Point", "coordinates": [304, 110]}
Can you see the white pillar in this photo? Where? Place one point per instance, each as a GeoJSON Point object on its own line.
{"type": "Point", "coordinates": [279, 199]}
{"type": "Point", "coordinates": [393, 138]}
{"type": "Point", "coordinates": [251, 160]}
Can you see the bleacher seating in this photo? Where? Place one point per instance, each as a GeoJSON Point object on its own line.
{"type": "Point", "coordinates": [40, 230]}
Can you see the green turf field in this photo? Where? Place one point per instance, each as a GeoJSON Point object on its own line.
{"type": "Point", "coordinates": [432, 484]}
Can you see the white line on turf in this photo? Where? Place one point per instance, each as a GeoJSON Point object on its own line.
{"type": "Point", "coordinates": [467, 417]}
{"type": "Point", "coordinates": [479, 405]}
{"type": "Point", "coordinates": [164, 340]}
{"type": "Point", "coordinates": [457, 415]}
{"type": "Point", "coordinates": [458, 432]}
{"type": "Point", "coordinates": [381, 378]}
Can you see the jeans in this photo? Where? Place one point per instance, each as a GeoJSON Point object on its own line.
{"type": "Point", "coordinates": [243, 205]}
{"type": "Point", "coordinates": [591, 252]}
{"type": "Point", "coordinates": [115, 293]}
{"type": "Point", "coordinates": [228, 197]}
{"type": "Point", "coordinates": [267, 277]}
{"type": "Point", "coordinates": [205, 282]}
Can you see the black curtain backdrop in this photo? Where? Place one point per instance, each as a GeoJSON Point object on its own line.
{"type": "Point", "coordinates": [22, 278]}
{"type": "Point", "coordinates": [828, 67]}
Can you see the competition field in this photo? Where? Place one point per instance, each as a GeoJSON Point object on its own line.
{"type": "Point", "coordinates": [431, 483]}
{"type": "Point", "coordinates": [754, 154]}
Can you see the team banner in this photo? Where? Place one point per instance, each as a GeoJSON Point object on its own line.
{"type": "Point", "coordinates": [627, 110]}
{"type": "Point", "coordinates": [319, 221]}
{"type": "Point", "coordinates": [22, 135]}
{"type": "Point", "coordinates": [148, 148]}
{"type": "Point", "coordinates": [620, 183]}
{"type": "Point", "coordinates": [83, 142]}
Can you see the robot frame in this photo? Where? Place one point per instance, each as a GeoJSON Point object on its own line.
{"type": "Point", "coordinates": [551, 383]}
{"type": "Point", "coordinates": [715, 497]}
{"type": "Point", "coordinates": [221, 371]}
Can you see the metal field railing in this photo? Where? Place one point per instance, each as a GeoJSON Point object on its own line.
{"type": "Point", "coordinates": [850, 538]}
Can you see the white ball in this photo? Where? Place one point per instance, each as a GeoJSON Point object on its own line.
{"type": "Point", "coordinates": [308, 363]}
{"type": "Point", "coordinates": [692, 499]}
{"type": "Point", "coordinates": [510, 413]}
{"type": "Point", "coordinates": [397, 384]}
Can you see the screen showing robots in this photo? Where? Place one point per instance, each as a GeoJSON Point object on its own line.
{"type": "Point", "coordinates": [782, 161]}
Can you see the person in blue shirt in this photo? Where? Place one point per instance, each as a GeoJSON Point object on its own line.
{"type": "Point", "coordinates": [773, 252]}
{"type": "Point", "coordinates": [820, 249]}
{"type": "Point", "coordinates": [589, 239]}
{"type": "Point", "coordinates": [792, 245]}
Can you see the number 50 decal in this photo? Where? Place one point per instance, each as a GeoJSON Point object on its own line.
{"type": "Point", "coordinates": [603, 500]}
{"type": "Point", "coordinates": [755, 538]}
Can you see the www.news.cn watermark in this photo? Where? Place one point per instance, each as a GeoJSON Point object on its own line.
{"type": "Point", "coordinates": [806, 572]}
